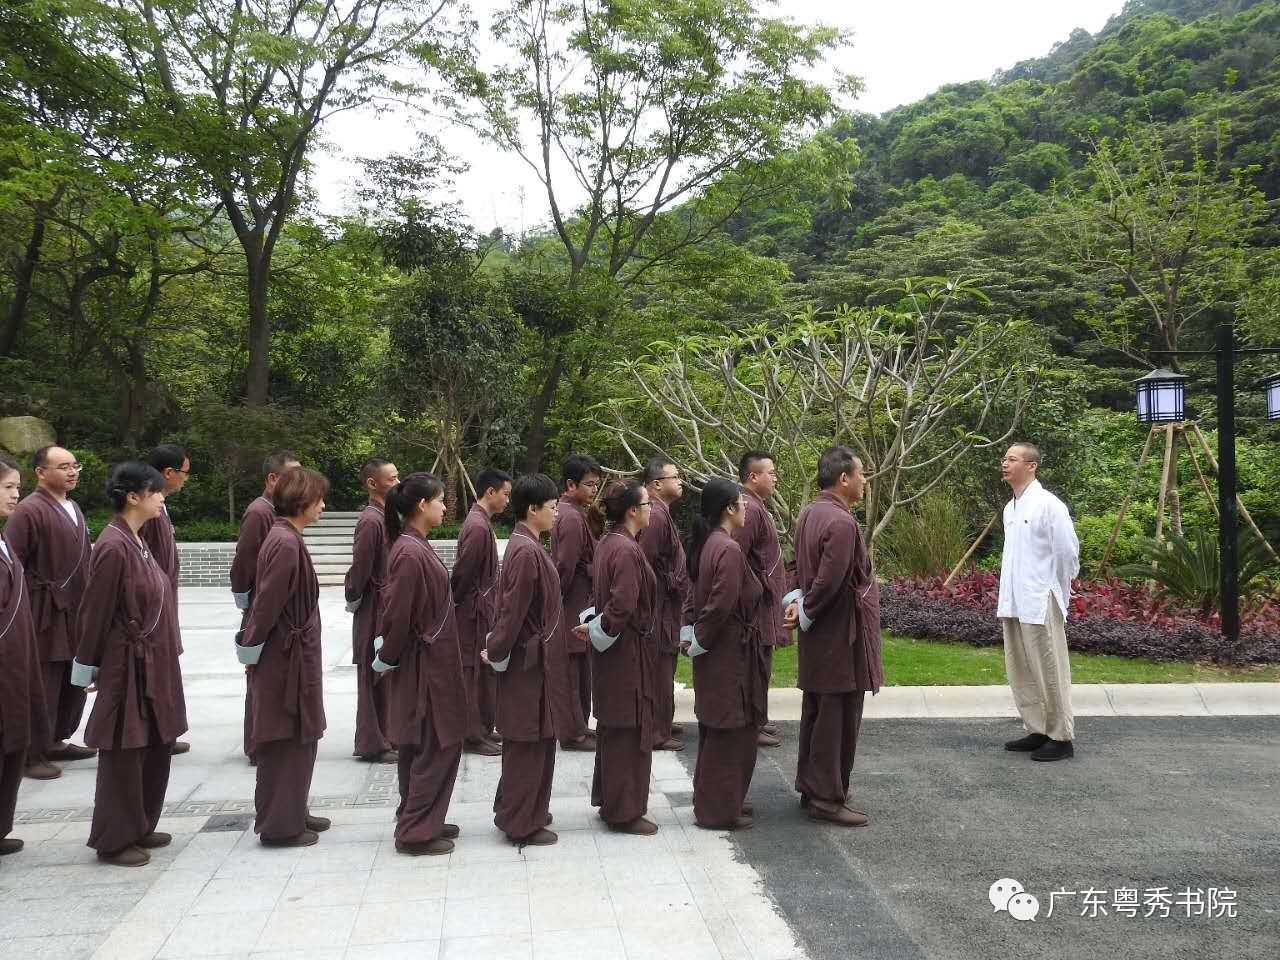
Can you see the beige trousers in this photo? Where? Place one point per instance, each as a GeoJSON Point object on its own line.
{"type": "Point", "coordinates": [1035, 658]}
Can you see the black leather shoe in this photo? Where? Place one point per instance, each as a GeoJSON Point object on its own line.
{"type": "Point", "coordinates": [1054, 750]}
{"type": "Point", "coordinates": [1032, 741]}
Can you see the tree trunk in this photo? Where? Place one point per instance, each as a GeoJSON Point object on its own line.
{"type": "Point", "coordinates": [258, 382]}
{"type": "Point", "coordinates": [23, 280]}
{"type": "Point", "coordinates": [536, 436]}
{"type": "Point", "coordinates": [135, 397]}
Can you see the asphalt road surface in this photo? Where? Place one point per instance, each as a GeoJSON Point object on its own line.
{"type": "Point", "coordinates": [1169, 809]}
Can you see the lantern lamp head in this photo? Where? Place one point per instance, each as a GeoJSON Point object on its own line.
{"type": "Point", "coordinates": [1272, 385]}
{"type": "Point", "coordinates": [1159, 397]}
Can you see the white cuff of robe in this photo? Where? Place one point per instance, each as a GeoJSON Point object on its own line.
{"type": "Point", "coordinates": [686, 633]}
{"type": "Point", "coordinates": [249, 656]}
{"type": "Point", "coordinates": [695, 648]}
{"type": "Point", "coordinates": [499, 665]}
{"type": "Point", "coordinates": [381, 666]}
{"type": "Point", "coordinates": [82, 674]}
{"type": "Point", "coordinates": [354, 605]}
{"type": "Point", "coordinates": [378, 642]}
{"type": "Point", "coordinates": [599, 639]}
{"type": "Point", "coordinates": [797, 596]}
{"type": "Point", "coordinates": [241, 599]}
{"type": "Point", "coordinates": [586, 614]}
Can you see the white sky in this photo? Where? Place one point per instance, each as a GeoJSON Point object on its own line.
{"type": "Point", "coordinates": [902, 49]}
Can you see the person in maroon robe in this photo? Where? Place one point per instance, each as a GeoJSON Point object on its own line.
{"type": "Point", "coordinates": [23, 717]}
{"type": "Point", "coordinates": [49, 537]}
{"type": "Point", "coordinates": [758, 538]}
{"type": "Point", "coordinates": [837, 607]}
{"type": "Point", "coordinates": [473, 578]}
{"type": "Point", "coordinates": [665, 553]}
{"type": "Point", "coordinates": [174, 465]}
{"type": "Point", "coordinates": [623, 663]}
{"type": "Point", "coordinates": [526, 647]}
{"type": "Point", "coordinates": [730, 673]}
{"type": "Point", "coordinates": [280, 646]}
{"type": "Point", "coordinates": [127, 649]}
{"type": "Point", "coordinates": [572, 549]}
{"type": "Point", "coordinates": [258, 520]}
{"type": "Point", "coordinates": [363, 587]}
{"type": "Point", "coordinates": [419, 649]}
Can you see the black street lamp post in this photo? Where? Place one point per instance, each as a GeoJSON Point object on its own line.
{"type": "Point", "coordinates": [1163, 389]}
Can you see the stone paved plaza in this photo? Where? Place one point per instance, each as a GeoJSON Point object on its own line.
{"type": "Point", "coordinates": [217, 893]}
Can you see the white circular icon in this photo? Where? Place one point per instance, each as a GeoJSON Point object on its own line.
{"type": "Point", "coordinates": [1023, 906]}
{"type": "Point", "coordinates": [1001, 891]}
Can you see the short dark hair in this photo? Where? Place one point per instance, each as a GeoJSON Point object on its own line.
{"type": "Point", "coordinates": [297, 489]}
{"type": "Point", "coordinates": [41, 457]}
{"type": "Point", "coordinates": [531, 490]}
{"type": "Point", "coordinates": [168, 456]}
{"type": "Point", "coordinates": [621, 497]}
{"type": "Point", "coordinates": [8, 465]}
{"type": "Point", "coordinates": [275, 463]}
{"type": "Point", "coordinates": [654, 469]}
{"type": "Point", "coordinates": [749, 460]}
{"type": "Point", "coordinates": [132, 476]}
{"type": "Point", "coordinates": [491, 479]}
{"type": "Point", "coordinates": [833, 462]}
{"type": "Point", "coordinates": [371, 468]}
{"type": "Point", "coordinates": [577, 466]}
{"type": "Point", "coordinates": [1030, 449]}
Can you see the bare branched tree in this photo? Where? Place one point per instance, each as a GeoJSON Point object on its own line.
{"type": "Point", "coordinates": [912, 392]}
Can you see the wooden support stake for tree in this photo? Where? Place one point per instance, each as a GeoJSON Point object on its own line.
{"type": "Point", "coordinates": [1244, 511]}
{"type": "Point", "coordinates": [1204, 484]}
{"type": "Point", "coordinates": [1164, 483]}
{"type": "Point", "coordinates": [969, 553]}
{"type": "Point", "coordinates": [1124, 504]}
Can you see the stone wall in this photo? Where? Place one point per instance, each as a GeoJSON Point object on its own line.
{"type": "Point", "coordinates": [209, 564]}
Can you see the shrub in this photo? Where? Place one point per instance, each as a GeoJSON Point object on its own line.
{"type": "Point", "coordinates": [1189, 567]}
{"type": "Point", "coordinates": [205, 530]}
{"type": "Point", "coordinates": [91, 490]}
{"type": "Point", "coordinates": [1107, 617]}
{"type": "Point", "coordinates": [1095, 530]}
{"type": "Point", "coordinates": [926, 538]}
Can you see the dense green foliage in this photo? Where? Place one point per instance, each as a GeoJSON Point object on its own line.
{"type": "Point", "coordinates": [128, 284]}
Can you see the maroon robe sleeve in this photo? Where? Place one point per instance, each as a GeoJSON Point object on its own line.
{"type": "Point", "coordinates": [721, 603]}
{"type": "Point", "coordinates": [833, 574]}
{"type": "Point", "coordinates": [567, 549]}
{"type": "Point", "coordinates": [364, 556]}
{"type": "Point", "coordinates": [519, 585]}
{"type": "Point", "coordinates": [107, 576]}
{"type": "Point", "coordinates": [20, 534]}
{"type": "Point", "coordinates": [275, 584]}
{"type": "Point", "coordinates": [254, 527]}
{"type": "Point", "coordinates": [473, 551]}
{"type": "Point", "coordinates": [624, 594]}
{"type": "Point", "coordinates": [401, 597]}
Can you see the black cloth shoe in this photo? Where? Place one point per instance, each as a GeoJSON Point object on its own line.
{"type": "Point", "coordinates": [1032, 741]}
{"type": "Point", "coordinates": [1054, 750]}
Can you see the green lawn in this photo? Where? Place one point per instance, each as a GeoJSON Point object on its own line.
{"type": "Point", "coordinates": [909, 663]}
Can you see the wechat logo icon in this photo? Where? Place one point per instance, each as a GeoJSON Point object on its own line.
{"type": "Point", "coordinates": [1009, 895]}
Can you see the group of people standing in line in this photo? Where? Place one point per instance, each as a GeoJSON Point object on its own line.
{"type": "Point", "coordinates": [489, 658]}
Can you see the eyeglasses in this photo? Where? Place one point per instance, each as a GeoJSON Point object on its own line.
{"type": "Point", "coordinates": [590, 484]}
{"type": "Point", "coordinates": [68, 467]}
{"type": "Point", "coordinates": [1010, 460]}
{"type": "Point", "coordinates": [670, 476]}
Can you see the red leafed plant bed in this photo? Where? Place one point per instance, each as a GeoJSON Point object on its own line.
{"type": "Point", "coordinates": [1107, 616]}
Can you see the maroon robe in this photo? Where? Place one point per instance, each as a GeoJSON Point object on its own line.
{"type": "Point", "coordinates": [363, 588]}
{"type": "Point", "coordinates": [428, 703]}
{"type": "Point", "coordinates": [472, 580]}
{"type": "Point", "coordinates": [258, 519]}
{"type": "Point", "coordinates": [573, 550]}
{"type": "Point", "coordinates": [623, 677]}
{"type": "Point", "coordinates": [288, 704]}
{"type": "Point", "coordinates": [662, 548]}
{"type": "Point", "coordinates": [159, 537]}
{"type": "Point", "coordinates": [23, 717]}
{"type": "Point", "coordinates": [527, 644]}
{"type": "Point", "coordinates": [128, 635]}
{"type": "Point", "coordinates": [839, 655]}
{"type": "Point", "coordinates": [54, 553]}
{"type": "Point", "coordinates": [730, 678]}
{"type": "Point", "coordinates": [758, 538]}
